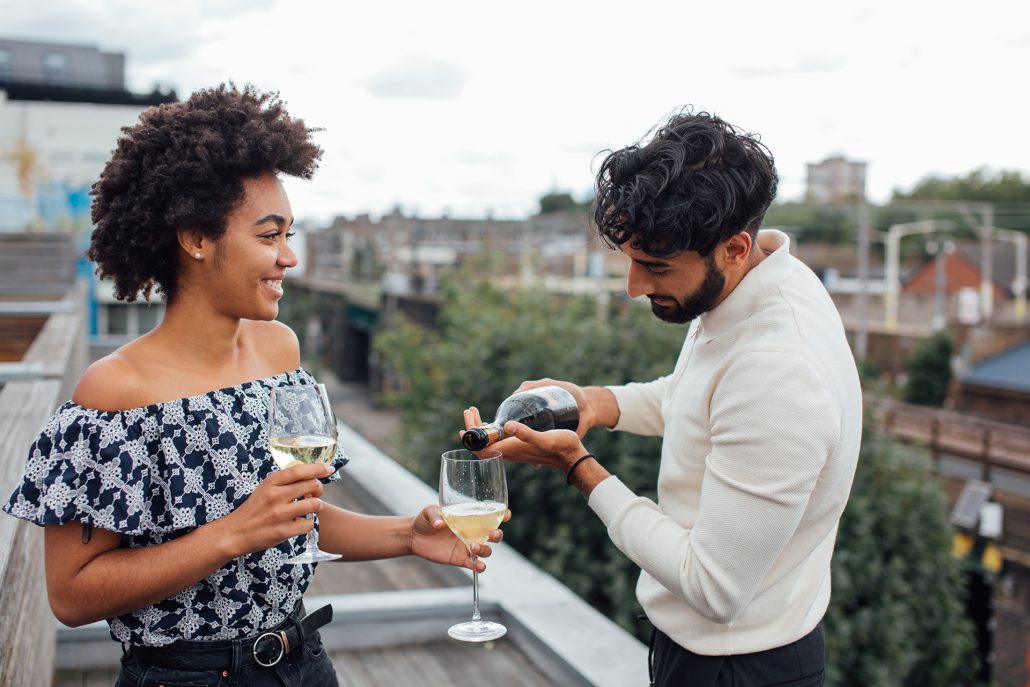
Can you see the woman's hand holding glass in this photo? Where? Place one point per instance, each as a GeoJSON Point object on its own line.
{"type": "Point", "coordinates": [433, 540]}
{"type": "Point", "coordinates": [277, 510]}
{"type": "Point", "coordinates": [302, 430]}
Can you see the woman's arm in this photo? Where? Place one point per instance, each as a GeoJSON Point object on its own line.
{"type": "Point", "coordinates": [360, 537]}
{"type": "Point", "coordinates": [97, 580]}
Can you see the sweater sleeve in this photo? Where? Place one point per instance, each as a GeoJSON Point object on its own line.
{"type": "Point", "coordinates": [774, 424]}
{"type": "Point", "coordinates": [640, 407]}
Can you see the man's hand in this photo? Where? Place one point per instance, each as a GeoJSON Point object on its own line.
{"type": "Point", "coordinates": [587, 417]}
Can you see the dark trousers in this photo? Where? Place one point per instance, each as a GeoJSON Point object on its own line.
{"type": "Point", "coordinates": [230, 663]}
{"type": "Point", "coordinates": [798, 664]}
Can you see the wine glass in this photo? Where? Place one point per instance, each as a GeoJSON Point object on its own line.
{"type": "Point", "coordinates": [302, 429]}
{"type": "Point", "coordinates": [474, 500]}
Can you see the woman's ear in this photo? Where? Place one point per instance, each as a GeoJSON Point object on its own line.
{"type": "Point", "coordinates": [193, 243]}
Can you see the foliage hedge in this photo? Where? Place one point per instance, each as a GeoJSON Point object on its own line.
{"type": "Point", "coordinates": [896, 614]}
{"type": "Point", "coordinates": [929, 371]}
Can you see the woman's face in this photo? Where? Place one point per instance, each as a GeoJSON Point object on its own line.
{"type": "Point", "coordinates": [249, 261]}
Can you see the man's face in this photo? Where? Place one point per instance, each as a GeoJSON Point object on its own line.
{"type": "Point", "coordinates": [681, 287]}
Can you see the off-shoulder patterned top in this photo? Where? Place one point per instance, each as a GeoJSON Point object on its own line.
{"type": "Point", "coordinates": [157, 472]}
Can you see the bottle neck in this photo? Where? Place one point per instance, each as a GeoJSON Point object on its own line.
{"type": "Point", "coordinates": [478, 438]}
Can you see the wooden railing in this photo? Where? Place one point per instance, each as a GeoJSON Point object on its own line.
{"type": "Point", "coordinates": [54, 360]}
{"type": "Point", "coordinates": [999, 450]}
{"type": "Point", "coordinates": [992, 444]}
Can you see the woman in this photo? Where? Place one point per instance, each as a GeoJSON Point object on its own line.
{"type": "Point", "coordinates": [162, 510]}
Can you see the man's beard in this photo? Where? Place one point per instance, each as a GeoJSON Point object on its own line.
{"type": "Point", "coordinates": [701, 301]}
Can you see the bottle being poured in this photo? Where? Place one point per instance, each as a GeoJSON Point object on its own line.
{"type": "Point", "coordinates": [542, 409]}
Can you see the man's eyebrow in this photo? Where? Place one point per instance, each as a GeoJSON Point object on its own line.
{"type": "Point", "coordinates": [278, 220]}
{"type": "Point", "coordinates": [651, 263]}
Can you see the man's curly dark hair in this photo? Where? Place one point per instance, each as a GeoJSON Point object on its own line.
{"type": "Point", "coordinates": [698, 181]}
{"type": "Point", "coordinates": [182, 167]}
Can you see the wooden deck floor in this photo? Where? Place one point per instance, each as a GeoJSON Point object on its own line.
{"type": "Point", "coordinates": [439, 663]}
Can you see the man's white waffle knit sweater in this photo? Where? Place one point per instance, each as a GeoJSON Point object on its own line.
{"type": "Point", "coordinates": [762, 420]}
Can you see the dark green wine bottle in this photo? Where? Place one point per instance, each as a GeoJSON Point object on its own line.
{"type": "Point", "coordinates": [542, 409]}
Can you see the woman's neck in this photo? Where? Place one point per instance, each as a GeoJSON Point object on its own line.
{"type": "Point", "coordinates": [199, 333]}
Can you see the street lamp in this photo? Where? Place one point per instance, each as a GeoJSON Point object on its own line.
{"type": "Point", "coordinates": [893, 281]}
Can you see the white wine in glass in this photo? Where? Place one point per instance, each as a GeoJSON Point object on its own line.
{"type": "Point", "coordinates": [474, 499]}
{"type": "Point", "coordinates": [302, 429]}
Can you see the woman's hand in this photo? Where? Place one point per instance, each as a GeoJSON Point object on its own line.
{"type": "Point", "coordinates": [275, 511]}
{"type": "Point", "coordinates": [431, 539]}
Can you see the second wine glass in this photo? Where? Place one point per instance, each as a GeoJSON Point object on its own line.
{"type": "Point", "coordinates": [302, 429]}
{"type": "Point", "coordinates": [474, 500]}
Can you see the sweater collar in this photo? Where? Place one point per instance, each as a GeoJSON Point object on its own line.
{"type": "Point", "coordinates": [744, 300]}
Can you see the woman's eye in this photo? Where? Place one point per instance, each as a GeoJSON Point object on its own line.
{"type": "Point", "coordinates": [290, 235]}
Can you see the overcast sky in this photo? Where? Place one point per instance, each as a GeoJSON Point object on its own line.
{"type": "Point", "coordinates": [473, 108]}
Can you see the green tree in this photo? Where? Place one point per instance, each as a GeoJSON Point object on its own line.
{"type": "Point", "coordinates": [929, 371]}
{"type": "Point", "coordinates": [1007, 190]}
{"type": "Point", "coordinates": [561, 201]}
{"type": "Point", "coordinates": [896, 617]}
{"type": "Point", "coordinates": [1006, 186]}
{"type": "Point", "coordinates": [824, 224]}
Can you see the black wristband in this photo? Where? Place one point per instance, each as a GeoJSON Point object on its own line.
{"type": "Point", "coordinates": [568, 473]}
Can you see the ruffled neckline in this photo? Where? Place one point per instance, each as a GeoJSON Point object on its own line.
{"type": "Point", "coordinates": [69, 404]}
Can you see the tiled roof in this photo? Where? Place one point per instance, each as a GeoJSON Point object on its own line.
{"type": "Point", "coordinates": [1009, 369]}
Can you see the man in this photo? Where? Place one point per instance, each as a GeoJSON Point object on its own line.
{"type": "Point", "coordinates": [761, 417]}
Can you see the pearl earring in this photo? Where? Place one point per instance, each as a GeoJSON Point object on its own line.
{"type": "Point", "coordinates": [198, 255]}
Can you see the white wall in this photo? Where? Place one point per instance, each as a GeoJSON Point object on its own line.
{"type": "Point", "coordinates": [70, 143]}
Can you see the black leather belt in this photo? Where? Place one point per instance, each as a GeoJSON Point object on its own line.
{"type": "Point", "coordinates": [266, 649]}
{"type": "Point", "coordinates": [271, 647]}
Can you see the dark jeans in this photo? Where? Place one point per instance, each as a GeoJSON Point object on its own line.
{"type": "Point", "coordinates": [798, 664]}
{"type": "Point", "coordinates": [307, 666]}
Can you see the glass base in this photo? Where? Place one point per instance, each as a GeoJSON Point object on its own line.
{"type": "Point", "coordinates": [477, 631]}
{"type": "Point", "coordinates": [316, 556]}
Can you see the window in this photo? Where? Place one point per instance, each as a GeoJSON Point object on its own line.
{"type": "Point", "coordinates": [117, 318]}
{"type": "Point", "coordinates": [55, 66]}
{"type": "Point", "coordinates": [128, 320]}
{"type": "Point", "coordinates": [147, 317]}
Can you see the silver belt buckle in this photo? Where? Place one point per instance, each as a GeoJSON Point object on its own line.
{"type": "Point", "coordinates": [282, 649]}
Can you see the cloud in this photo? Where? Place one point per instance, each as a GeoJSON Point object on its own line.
{"type": "Point", "coordinates": [417, 77]}
{"type": "Point", "coordinates": [481, 158]}
{"type": "Point", "coordinates": [806, 64]}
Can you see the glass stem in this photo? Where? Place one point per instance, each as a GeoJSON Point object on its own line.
{"type": "Point", "coordinates": [475, 588]}
{"type": "Point", "coordinates": [312, 544]}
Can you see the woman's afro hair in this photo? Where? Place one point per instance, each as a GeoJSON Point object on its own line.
{"type": "Point", "coordinates": [182, 167]}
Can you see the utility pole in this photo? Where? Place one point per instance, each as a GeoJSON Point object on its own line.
{"type": "Point", "coordinates": [862, 329]}
{"type": "Point", "coordinates": [987, 262]}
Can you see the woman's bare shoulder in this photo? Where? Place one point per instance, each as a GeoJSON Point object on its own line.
{"type": "Point", "coordinates": [111, 383]}
{"type": "Point", "coordinates": [274, 342]}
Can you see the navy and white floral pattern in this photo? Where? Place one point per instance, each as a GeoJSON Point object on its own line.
{"type": "Point", "coordinates": [154, 474]}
